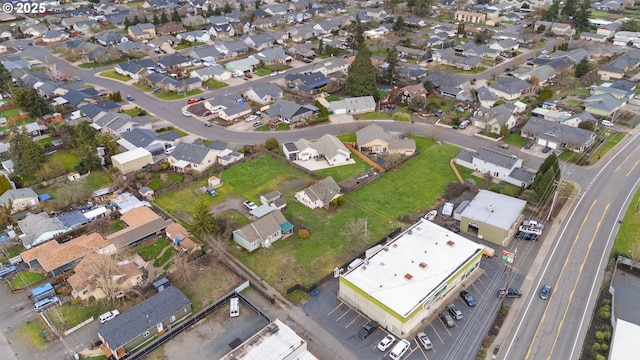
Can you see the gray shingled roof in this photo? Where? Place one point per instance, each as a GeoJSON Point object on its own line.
{"type": "Point", "coordinates": [495, 157]}
{"type": "Point", "coordinates": [190, 152]}
{"type": "Point", "coordinates": [142, 317]}
{"type": "Point", "coordinates": [324, 190]}
{"type": "Point", "coordinates": [510, 85]}
{"type": "Point", "coordinates": [263, 227]}
{"type": "Point", "coordinates": [140, 137]}
{"type": "Point", "coordinates": [270, 89]}
{"type": "Point", "coordinates": [556, 132]}
{"type": "Point", "coordinates": [13, 194]}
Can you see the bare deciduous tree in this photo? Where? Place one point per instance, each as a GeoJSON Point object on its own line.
{"type": "Point", "coordinates": [182, 269]}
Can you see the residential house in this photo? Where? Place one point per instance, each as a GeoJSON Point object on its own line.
{"type": "Point", "coordinates": [192, 157]}
{"type": "Point", "coordinates": [133, 68]}
{"type": "Point", "coordinates": [229, 109]}
{"type": "Point", "coordinates": [576, 119]}
{"type": "Point", "coordinates": [304, 50]}
{"type": "Point", "coordinates": [259, 41]}
{"type": "Point", "coordinates": [320, 194]}
{"type": "Point", "coordinates": [117, 123]}
{"type": "Point", "coordinates": [215, 72]}
{"type": "Point", "coordinates": [408, 93]}
{"type": "Point", "coordinates": [264, 231]}
{"type": "Point", "coordinates": [603, 105]}
{"type": "Point", "coordinates": [194, 21]}
{"type": "Point", "coordinates": [263, 93]}
{"type": "Point", "coordinates": [608, 30]}
{"type": "Point", "coordinates": [289, 112]}
{"type": "Point", "coordinates": [328, 147]}
{"type": "Point", "coordinates": [224, 31]}
{"type": "Point", "coordinates": [353, 105]}
{"type": "Point", "coordinates": [228, 156]}
{"type": "Point", "coordinates": [145, 31]}
{"type": "Point", "coordinates": [19, 199]}
{"type": "Point", "coordinates": [68, 22]}
{"type": "Point", "coordinates": [208, 53]}
{"type": "Point", "coordinates": [141, 223]}
{"type": "Point", "coordinates": [270, 197]}
{"type": "Point", "coordinates": [84, 285]}
{"type": "Point", "coordinates": [498, 165]}
{"type": "Point", "coordinates": [470, 17]}
{"type": "Point", "coordinates": [170, 28]}
{"type": "Point", "coordinates": [232, 48]}
{"type": "Point", "coordinates": [449, 57]}
{"type": "Point", "coordinates": [168, 83]}
{"type": "Point", "coordinates": [110, 38]}
{"type": "Point", "coordinates": [149, 319]}
{"type": "Point", "coordinates": [273, 55]}
{"type": "Point", "coordinates": [510, 88]}
{"type": "Point", "coordinates": [194, 36]}
{"type": "Point", "coordinates": [493, 120]}
{"type": "Point", "coordinates": [593, 37]}
{"type": "Point", "coordinates": [51, 36]}
{"type": "Point", "coordinates": [57, 258]}
{"type": "Point", "coordinates": [505, 45]}
{"type": "Point", "coordinates": [173, 61]}
{"type": "Point", "coordinates": [331, 66]}
{"type": "Point", "coordinates": [373, 139]}
{"type": "Point", "coordinates": [544, 74]}
{"type": "Point", "coordinates": [180, 239]}
{"type": "Point", "coordinates": [242, 65]}
{"type": "Point", "coordinates": [39, 228]}
{"type": "Point", "coordinates": [376, 33]}
{"type": "Point", "coordinates": [308, 81]}
{"type": "Point", "coordinates": [132, 160]}
{"type": "Point", "coordinates": [558, 136]}
{"type": "Point", "coordinates": [87, 27]}
{"type": "Point", "coordinates": [486, 97]}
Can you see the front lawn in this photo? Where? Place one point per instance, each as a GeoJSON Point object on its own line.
{"type": "Point", "coordinates": [151, 251]}
{"type": "Point", "coordinates": [214, 84]}
{"type": "Point", "coordinates": [279, 127]}
{"type": "Point", "coordinates": [142, 86]}
{"type": "Point", "coordinates": [168, 95]}
{"type": "Point", "coordinates": [135, 112]}
{"type": "Point", "coordinates": [11, 251]}
{"type": "Point", "coordinates": [166, 255]}
{"type": "Point", "coordinates": [609, 144]}
{"type": "Point", "coordinates": [25, 279]}
{"type": "Point", "coordinates": [93, 65]}
{"type": "Point", "coordinates": [344, 172]}
{"type": "Point", "coordinates": [67, 159]}
{"type": "Point", "coordinates": [171, 128]}
{"type": "Point", "coordinates": [262, 71]}
{"type": "Point", "coordinates": [504, 188]}
{"type": "Point", "coordinates": [164, 180]}
{"type": "Point", "coordinates": [31, 333]}
{"type": "Point", "coordinates": [67, 316]}
{"type": "Point", "coordinates": [627, 237]}
{"type": "Point", "coordinates": [374, 116]}
{"type": "Point", "coordinates": [515, 140]}
{"type": "Point", "coordinates": [331, 98]}
{"type": "Point", "coordinates": [112, 74]}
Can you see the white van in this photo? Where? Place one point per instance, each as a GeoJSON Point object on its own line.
{"type": "Point", "coordinates": [45, 303]}
{"type": "Point", "coordinates": [606, 123]}
{"type": "Point", "coordinates": [235, 307]}
{"type": "Point", "coordinates": [400, 349]}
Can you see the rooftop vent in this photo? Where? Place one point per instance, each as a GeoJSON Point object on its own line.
{"type": "Point", "coordinates": [423, 265]}
{"type": "Point", "coordinates": [363, 267]}
{"type": "Point", "coordinates": [410, 232]}
{"type": "Point", "coordinates": [490, 208]}
{"type": "Point", "coordinates": [450, 242]}
{"type": "Point", "coordinates": [408, 276]}
{"type": "Point", "coordinates": [395, 245]}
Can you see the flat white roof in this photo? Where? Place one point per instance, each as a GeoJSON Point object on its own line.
{"type": "Point", "coordinates": [625, 339]}
{"type": "Point", "coordinates": [494, 209]}
{"type": "Point", "coordinates": [130, 155]}
{"type": "Point", "coordinates": [275, 341]}
{"type": "Point", "coordinates": [421, 253]}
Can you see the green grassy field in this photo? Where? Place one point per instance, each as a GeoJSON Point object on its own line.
{"type": "Point", "coordinates": [31, 333]}
{"type": "Point", "coordinates": [214, 84]}
{"type": "Point", "coordinates": [66, 158]}
{"type": "Point", "coordinates": [68, 316]}
{"type": "Point", "coordinates": [161, 182]}
{"type": "Point", "coordinates": [627, 238]}
{"type": "Point", "coordinates": [26, 278]}
{"type": "Point", "coordinates": [168, 95]}
{"type": "Point", "coordinates": [344, 172]}
{"type": "Point", "coordinates": [374, 115]}
{"type": "Point", "coordinates": [112, 74]}
{"type": "Point", "coordinates": [151, 251]}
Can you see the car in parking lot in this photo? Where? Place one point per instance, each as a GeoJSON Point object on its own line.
{"type": "Point", "coordinates": [366, 330]}
{"type": "Point", "coordinates": [249, 205]}
{"type": "Point", "coordinates": [545, 292]}
{"type": "Point", "coordinates": [20, 47]}
{"type": "Point", "coordinates": [250, 118]}
{"type": "Point", "coordinates": [386, 342]}
{"type": "Point", "coordinates": [400, 349]}
{"type": "Point", "coordinates": [424, 340]}
{"type": "Point", "coordinates": [510, 293]}
{"type": "Point", "coordinates": [467, 298]}
{"type": "Point", "coordinates": [207, 113]}
{"type": "Point", "coordinates": [187, 114]}
{"type": "Point", "coordinates": [454, 311]}
{"type": "Point", "coordinates": [109, 315]}
{"type": "Point", "coordinates": [546, 149]}
{"type": "Point", "coordinates": [528, 145]}
{"type": "Point", "coordinates": [446, 319]}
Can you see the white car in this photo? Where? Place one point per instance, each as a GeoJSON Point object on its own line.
{"type": "Point", "coordinates": [109, 315]}
{"type": "Point", "coordinates": [544, 51]}
{"type": "Point", "coordinates": [251, 118]}
{"type": "Point", "coordinates": [425, 341]}
{"type": "Point", "coordinates": [282, 71]}
{"type": "Point", "coordinates": [386, 342]}
{"type": "Point", "coordinates": [216, 109]}
{"type": "Point", "coordinates": [187, 114]}
{"type": "Point", "coordinates": [273, 74]}
{"type": "Point", "coordinates": [250, 205]}
{"type": "Point", "coordinates": [169, 150]}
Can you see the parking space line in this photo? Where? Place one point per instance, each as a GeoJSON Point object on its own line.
{"type": "Point", "coordinates": [438, 335]}
{"type": "Point", "coordinates": [446, 328]}
{"type": "Point", "coordinates": [474, 286]}
{"type": "Point", "coordinates": [345, 313]}
{"type": "Point", "coordinates": [482, 282]}
{"type": "Point", "coordinates": [421, 350]}
{"type": "Point", "coordinates": [352, 321]}
{"type": "Point", "coordinates": [335, 308]}
{"type": "Point", "coordinates": [411, 351]}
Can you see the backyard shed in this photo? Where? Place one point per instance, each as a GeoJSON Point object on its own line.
{"type": "Point", "coordinates": [132, 160]}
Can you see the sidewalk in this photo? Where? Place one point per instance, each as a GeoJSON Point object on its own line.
{"type": "Point", "coordinates": [527, 286]}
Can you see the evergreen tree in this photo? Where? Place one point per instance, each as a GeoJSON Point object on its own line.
{"type": "Point", "coordinates": [136, 20]}
{"type": "Point", "coordinates": [582, 15]}
{"type": "Point", "coordinates": [392, 62]}
{"type": "Point", "coordinates": [361, 78]}
{"type": "Point", "coordinates": [399, 25]}
{"type": "Point", "coordinates": [209, 10]}
{"type": "Point", "coordinates": [582, 68]}
{"type": "Point", "coordinates": [320, 48]}
{"type": "Point", "coordinates": [242, 7]}
{"type": "Point", "coordinates": [552, 11]}
{"type": "Point", "coordinates": [26, 154]}
{"type": "Point", "coordinates": [156, 20]}
{"type": "Point", "coordinates": [164, 18]}
{"type": "Point", "coordinates": [356, 40]}
{"type": "Point", "coordinates": [227, 8]}
{"type": "Point", "coordinates": [175, 16]}
{"type": "Point", "coordinates": [5, 78]}
{"type": "Point", "coordinates": [144, 19]}
{"type": "Point", "coordinates": [568, 10]}
{"type": "Point", "coordinates": [204, 223]}
{"type": "Point", "coordinates": [31, 101]}
{"type": "Point", "coordinates": [127, 22]}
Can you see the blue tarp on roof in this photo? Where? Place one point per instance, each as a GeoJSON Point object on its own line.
{"type": "Point", "coordinates": [44, 197]}
{"type": "Point", "coordinates": [286, 226]}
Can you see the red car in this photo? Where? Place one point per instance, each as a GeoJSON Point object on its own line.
{"type": "Point", "coordinates": [248, 75]}
{"type": "Point", "coordinates": [192, 101]}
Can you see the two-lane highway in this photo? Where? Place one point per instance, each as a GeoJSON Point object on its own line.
{"type": "Point", "coordinates": [556, 328]}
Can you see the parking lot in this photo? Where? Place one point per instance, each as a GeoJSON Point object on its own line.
{"type": "Point", "coordinates": [458, 342]}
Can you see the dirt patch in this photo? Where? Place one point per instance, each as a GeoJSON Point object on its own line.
{"type": "Point", "coordinates": [184, 216]}
{"type": "Point", "coordinates": [291, 185]}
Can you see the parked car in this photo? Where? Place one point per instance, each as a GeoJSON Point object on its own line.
{"type": "Point", "coordinates": [273, 73]}
{"type": "Point", "coordinates": [208, 124]}
{"type": "Point", "coordinates": [546, 149]}
{"type": "Point", "coordinates": [130, 98]}
{"type": "Point", "coordinates": [467, 298]}
{"type": "Point", "coordinates": [545, 292]}
{"type": "Point", "coordinates": [192, 101]}
{"type": "Point", "coordinates": [7, 270]}
{"type": "Point", "coordinates": [109, 315]}
{"type": "Point", "coordinates": [202, 98]}
{"type": "Point", "coordinates": [169, 150]}
{"type": "Point", "coordinates": [438, 113]}
{"type": "Point", "coordinates": [249, 205]}
{"type": "Point", "coordinates": [250, 118]}
{"type": "Point", "coordinates": [282, 71]}
{"type": "Point", "coordinates": [446, 319]}
{"type": "Point", "coordinates": [367, 329]}
{"type": "Point", "coordinates": [424, 341]}
{"type": "Point", "coordinates": [187, 114]}
{"type": "Point", "coordinates": [20, 47]}
{"type": "Point", "coordinates": [212, 192]}
{"type": "Point", "coordinates": [504, 145]}
{"type": "Point", "coordinates": [156, 90]}
{"type": "Point", "coordinates": [257, 124]}
{"type": "Point", "coordinates": [207, 113]}
{"type": "Point", "coordinates": [510, 293]}
{"type": "Point", "coordinates": [454, 228]}
{"type": "Point", "coordinates": [248, 75]}
{"type": "Point", "coordinates": [386, 342]}
{"type": "Point", "coordinates": [528, 145]}
{"type": "Point", "coordinates": [400, 349]}
{"type": "Point", "coordinates": [464, 124]}
{"type": "Point", "coordinates": [454, 311]}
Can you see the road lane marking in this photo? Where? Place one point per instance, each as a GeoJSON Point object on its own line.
{"type": "Point", "coordinates": [482, 282]}
{"type": "Point", "coordinates": [335, 308]}
{"type": "Point", "coordinates": [634, 166]}
{"type": "Point", "coordinates": [564, 266]}
{"type": "Point", "coordinates": [625, 159]}
{"type": "Point", "coordinates": [575, 285]}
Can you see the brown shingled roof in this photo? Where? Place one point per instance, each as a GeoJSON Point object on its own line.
{"type": "Point", "coordinates": [52, 255]}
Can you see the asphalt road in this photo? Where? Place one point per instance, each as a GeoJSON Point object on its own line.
{"type": "Point", "coordinates": [555, 329]}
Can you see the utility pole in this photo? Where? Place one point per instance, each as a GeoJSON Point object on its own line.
{"type": "Point", "coordinates": [508, 259]}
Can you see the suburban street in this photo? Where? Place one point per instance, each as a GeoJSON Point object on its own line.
{"type": "Point", "coordinates": [552, 329]}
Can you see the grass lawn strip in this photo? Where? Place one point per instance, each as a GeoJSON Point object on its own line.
{"type": "Point", "coordinates": [151, 251]}
{"type": "Point", "coordinates": [158, 183]}
{"type": "Point", "coordinates": [31, 333]}
{"type": "Point", "coordinates": [24, 279]}
{"type": "Point", "coordinates": [627, 237]}
{"type": "Point", "coordinates": [168, 95]}
{"type": "Point", "coordinates": [66, 158]}
{"type": "Point", "coordinates": [166, 255]}
{"type": "Point", "coordinates": [112, 74]}
{"type": "Point", "coordinates": [344, 172]}
{"type": "Point", "coordinates": [67, 316]}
